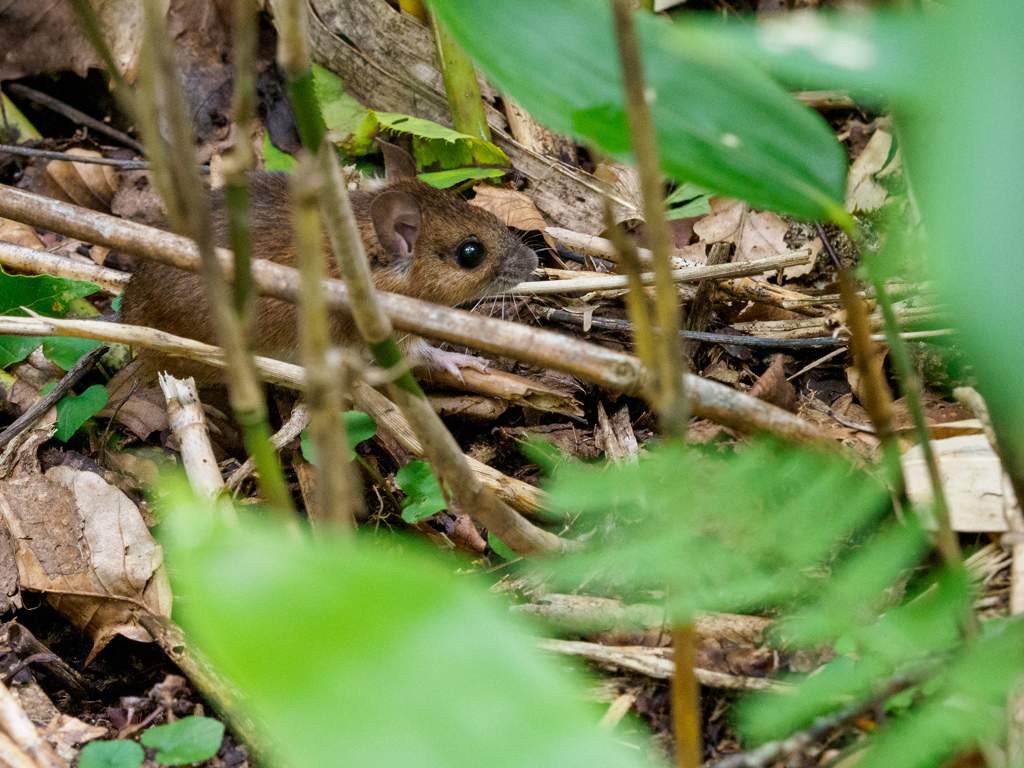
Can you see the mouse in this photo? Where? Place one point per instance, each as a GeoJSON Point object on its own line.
{"type": "Point", "coordinates": [420, 241]}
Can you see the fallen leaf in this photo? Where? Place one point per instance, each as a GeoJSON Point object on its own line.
{"type": "Point", "coordinates": [773, 388]}
{"type": "Point", "coordinates": [19, 234]}
{"type": "Point", "coordinates": [80, 540]}
{"type": "Point", "coordinates": [863, 193]}
{"type": "Point", "coordinates": [512, 208]}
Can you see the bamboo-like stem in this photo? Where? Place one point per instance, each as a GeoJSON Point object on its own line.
{"type": "Point", "coordinates": [293, 57]}
{"type": "Point", "coordinates": [672, 406]}
{"type": "Point", "coordinates": [636, 299]}
{"type": "Point", "coordinates": [445, 456]}
{"type": "Point", "coordinates": [460, 84]}
{"type": "Point", "coordinates": [593, 363]}
{"type": "Point", "coordinates": [945, 538]}
{"type": "Point", "coordinates": [875, 396]}
{"type": "Point", "coordinates": [188, 206]}
{"type": "Point", "coordinates": [685, 696]}
{"type": "Point", "coordinates": [239, 161]}
{"type": "Point", "coordinates": [338, 496]}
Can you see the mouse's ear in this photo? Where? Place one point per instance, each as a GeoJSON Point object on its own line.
{"type": "Point", "coordinates": [398, 164]}
{"type": "Point", "coordinates": [396, 219]}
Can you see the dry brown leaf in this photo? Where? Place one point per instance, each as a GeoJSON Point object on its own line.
{"type": "Point", "coordinates": [45, 37]}
{"type": "Point", "coordinates": [512, 208]}
{"type": "Point", "coordinates": [773, 388]}
{"type": "Point", "coordinates": [80, 539]}
{"type": "Point", "coordinates": [863, 193]}
{"type": "Point", "coordinates": [91, 186]}
{"type": "Point", "coordinates": [756, 234]}
{"type": "Point", "coordinates": [19, 234]}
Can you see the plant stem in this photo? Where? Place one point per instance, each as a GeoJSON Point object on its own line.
{"type": "Point", "coordinates": [188, 204]}
{"type": "Point", "coordinates": [460, 84]}
{"type": "Point", "coordinates": [685, 697]}
{"type": "Point", "coordinates": [338, 495]}
{"type": "Point", "coordinates": [672, 406]}
{"type": "Point", "coordinates": [294, 59]}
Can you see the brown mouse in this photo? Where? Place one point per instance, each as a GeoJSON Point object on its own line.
{"type": "Point", "coordinates": [420, 241]}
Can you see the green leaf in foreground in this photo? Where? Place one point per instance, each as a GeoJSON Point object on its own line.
{"type": "Point", "coordinates": [348, 653]}
{"type": "Point", "coordinates": [73, 411]}
{"type": "Point", "coordinates": [189, 740]}
{"type": "Point", "coordinates": [423, 494]}
{"type": "Point", "coordinates": [118, 753]}
{"type": "Point", "coordinates": [721, 122]}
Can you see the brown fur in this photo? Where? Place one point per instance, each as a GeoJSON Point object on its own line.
{"type": "Point", "coordinates": [172, 300]}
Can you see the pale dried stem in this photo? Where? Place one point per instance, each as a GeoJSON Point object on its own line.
{"type": "Point", "coordinates": [40, 262]}
{"type": "Point", "coordinates": [188, 424]}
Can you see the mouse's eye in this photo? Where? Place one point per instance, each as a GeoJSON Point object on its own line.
{"type": "Point", "coordinates": [470, 253]}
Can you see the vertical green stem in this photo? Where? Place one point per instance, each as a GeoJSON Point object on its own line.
{"type": "Point", "coordinates": [672, 405]}
{"type": "Point", "coordinates": [460, 84]}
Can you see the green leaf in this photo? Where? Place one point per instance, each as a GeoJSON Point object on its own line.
{"type": "Point", "coordinates": [23, 129]}
{"type": "Point", "coordinates": [14, 349]}
{"type": "Point", "coordinates": [117, 753]}
{"type": "Point", "coordinates": [65, 350]}
{"type": "Point", "coordinates": [189, 740]}
{"type": "Point", "coordinates": [333, 645]}
{"type": "Point", "coordinates": [72, 411]}
{"type": "Point", "coordinates": [721, 122]}
{"type": "Point", "coordinates": [273, 158]}
{"type": "Point", "coordinates": [696, 207]}
{"type": "Point", "coordinates": [445, 179]}
{"type": "Point", "coordinates": [359, 427]}
{"type": "Point", "coordinates": [49, 296]}
{"type": "Point", "coordinates": [964, 153]}
{"type": "Point", "coordinates": [434, 144]}
{"type": "Point", "coordinates": [423, 494]}
{"type": "Point", "coordinates": [116, 303]}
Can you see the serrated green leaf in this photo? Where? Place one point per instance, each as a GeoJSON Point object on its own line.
{"type": "Point", "coordinates": [117, 753]}
{"type": "Point", "coordinates": [423, 494]}
{"type": "Point", "coordinates": [341, 637]}
{"type": "Point", "coordinates": [446, 179]}
{"type": "Point", "coordinates": [721, 122]}
{"type": "Point", "coordinates": [342, 114]}
{"type": "Point", "coordinates": [273, 158]}
{"type": "Point", "coordinates": [189, 740]}
{"type": "Point", "coordinates": [434, 144]}
{"type": "Point", "coordinates": [73, 412]}
{"type": "Point", "coordinates": [65, 350]}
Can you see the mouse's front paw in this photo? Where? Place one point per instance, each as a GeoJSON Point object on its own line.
{"type": "Point", "coordinates": [455, 362]}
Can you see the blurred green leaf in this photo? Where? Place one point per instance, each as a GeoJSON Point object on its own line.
{"type": "Point", "coordinates": [724, 533]}
{"type": "Point", "coordinates": [501, 548]}
{"type": "Point", "coordinates": [117, 753]}
{"type": "Point", "coordinates": [445, 179]}
{"type": "Point", "coordinates": [73, 411]}
{"type": "Point", "coordinates": [344, 638]}
{"type": "Point", "coordinates": [721, 122]}
{"type": "Point", "coordinates": [423, 494]}
{"type": "Point", "coordinates": [65, 350]}
{"type": "Point", "coordinates": [963, 148]}
{"type": "Point", "coordinates": [189, 740]}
